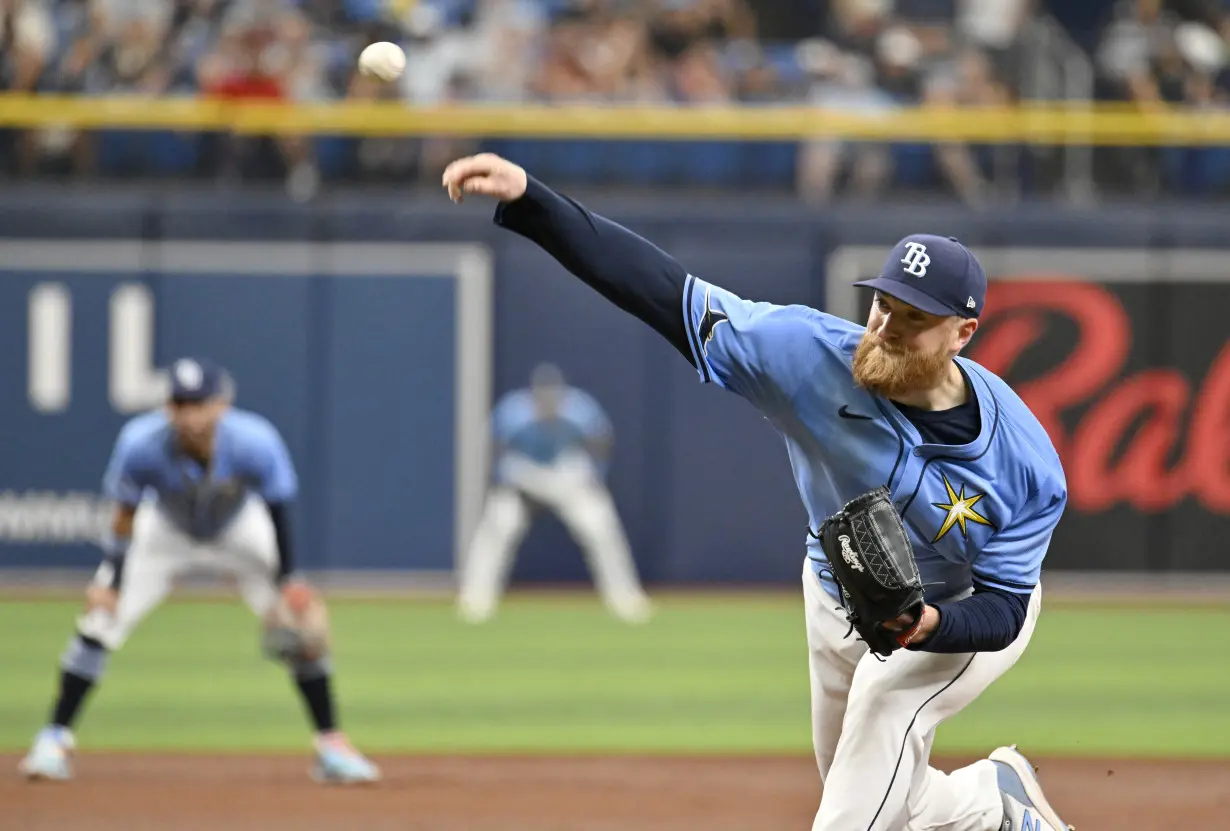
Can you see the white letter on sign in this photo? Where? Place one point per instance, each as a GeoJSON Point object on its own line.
{"type": "Point", "coordinates": [49, 353]}
{"type": "Point", "coordinates": [134, 385]}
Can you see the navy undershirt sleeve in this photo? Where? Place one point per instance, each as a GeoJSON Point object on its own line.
{"type": "Point", "coordinates": [626, 269]}
{"type": "Point", "coordinates": [987, 621]}
{"type": "Point", "coordinates": [279, 513]}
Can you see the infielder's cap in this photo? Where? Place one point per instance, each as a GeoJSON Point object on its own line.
{"type": "Point", "coordinates": [193, 379]}
{"type": "Point", "coordinates": [936, 274]}
{"type": "Point", "coordinates": [546, 375]}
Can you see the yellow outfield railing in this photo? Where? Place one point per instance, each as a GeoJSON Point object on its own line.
{"type": "Point", "coordinates": [1044, 124]}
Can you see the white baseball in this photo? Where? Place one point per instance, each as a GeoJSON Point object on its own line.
{"type": "Point", "coordinates": [384, 60]}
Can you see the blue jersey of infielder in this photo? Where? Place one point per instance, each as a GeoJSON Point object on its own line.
{"type": "Point", "coordinates": [578, 420]}
{"type": "Point", "coordinates": [981, 511]}
{"type": "Point", "coordinates": [249, 457]}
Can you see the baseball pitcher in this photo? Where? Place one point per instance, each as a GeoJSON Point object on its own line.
{"type": "Point", "coordinates": [931, 490]}
{"type": "Point", "coordinates": [553, 445]}
{"type": "Point", "coordinates": [200, 485]}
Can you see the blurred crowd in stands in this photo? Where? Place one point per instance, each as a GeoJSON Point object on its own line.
{"type": "Point", "coordinates": [871, 55]}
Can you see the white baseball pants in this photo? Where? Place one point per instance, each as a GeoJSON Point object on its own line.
{"type": "Point", "coordinates": [873, 724]}
{"type": "Point", "coordinates": [160, 552]}
{"type": "Point", "coordinates": [585, 507]}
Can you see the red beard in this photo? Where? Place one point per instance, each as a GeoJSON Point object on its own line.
{"type": "Point", "coordinates": [894, 373]}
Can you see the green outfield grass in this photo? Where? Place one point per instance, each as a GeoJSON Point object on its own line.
{"type": "Point", "coordinates": [709, 674]}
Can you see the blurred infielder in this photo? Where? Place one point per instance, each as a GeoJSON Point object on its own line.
{"type": "Point", "coordinates": [553, 443]}
{"type": "Point", "coordinates": [920, 471]}
{"type": "Point", "coordinates": [200, 485]}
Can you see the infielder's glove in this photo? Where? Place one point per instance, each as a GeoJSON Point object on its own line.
{"type": "Point", "coordinates": [296, 630]}
{"type": "Point", "coordinates": [873, 563]}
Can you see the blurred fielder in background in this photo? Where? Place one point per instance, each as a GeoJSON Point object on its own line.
{"type": "Point", "coordinates": [553, 445]}
{"type": "Point", "coordinates": [200, 486]}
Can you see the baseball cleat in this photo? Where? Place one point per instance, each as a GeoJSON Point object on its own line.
{"type": "Point", "coordinates": [338, 763]}
{"type": "Point", "coordinates": [637, 610]}
{"type": "Point", "coordinates": [472, 612]}
{"type": "Point", "coordinates": [1025, 806]}
{"type": "Point", "coordinates": [48, 757]}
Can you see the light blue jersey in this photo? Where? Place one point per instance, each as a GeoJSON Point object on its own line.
{"type": "Point", "coordinates": [983, 511]}
{"type": "Point", "coordinates": [519, 428]}
{"type": "Point", "coordinates": [249, 457]}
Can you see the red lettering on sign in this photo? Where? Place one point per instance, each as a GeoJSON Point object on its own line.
{"type": "Point", "coordinates": [1105, 465]}
{"type": "Point", "coordinates": [1208, 439]}
{"type": "Point", "coordinates": [1139, 476]}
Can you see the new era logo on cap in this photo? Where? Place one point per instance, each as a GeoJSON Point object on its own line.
{"type": "Point", "coordinates": [936, 274]}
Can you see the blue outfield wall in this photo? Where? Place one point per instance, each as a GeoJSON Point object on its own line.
{"type": "Point", "coordinates": [360, 370]}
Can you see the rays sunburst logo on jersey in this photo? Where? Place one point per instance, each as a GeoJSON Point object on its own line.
{"type": "Point", "coordinates": [709, 324]}
{"type": "Point", "coordinates": [959, 509]}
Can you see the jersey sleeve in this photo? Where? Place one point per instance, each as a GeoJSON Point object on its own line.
{"type": "Point", "coordinates": [125, 480]}
{"type": "Point", "coordinates": [760, 351]}
{"type": "Point", "coordinates": [1012, 560]}
{"type": "Point", "coordinates": [589, 416]}
{"type": "Point", "coordinates": [278, 480]}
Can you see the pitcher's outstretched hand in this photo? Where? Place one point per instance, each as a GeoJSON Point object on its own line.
{"type": "Point", "coordinates": [486, 174]}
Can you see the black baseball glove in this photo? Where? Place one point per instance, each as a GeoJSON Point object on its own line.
{"type": "Point", "coordinates": [873, 563]}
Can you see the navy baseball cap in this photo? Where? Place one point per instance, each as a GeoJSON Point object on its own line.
{"type": "Point", "coordinates": [193, 379]}
{"type": "Point", "coordinates": [936, 274]}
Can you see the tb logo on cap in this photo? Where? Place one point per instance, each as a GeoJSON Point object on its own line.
{"type": "Point", "coordinates": [189, 374]}
{"type": "Point", "coordinates": [916, 259]}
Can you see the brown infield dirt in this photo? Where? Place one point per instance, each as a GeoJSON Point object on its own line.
{"type": "Point", "coordinates": [129, 792]}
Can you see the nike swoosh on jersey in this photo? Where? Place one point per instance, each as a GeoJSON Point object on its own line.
{"type": "Point", "coordinates": [844, 412]}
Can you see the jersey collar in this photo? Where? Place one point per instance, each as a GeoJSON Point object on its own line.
{"type": "Point", "coordinates": [988, 415]}
{"type": "Point", "coordinates": [176, 451]}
